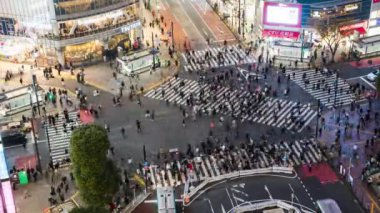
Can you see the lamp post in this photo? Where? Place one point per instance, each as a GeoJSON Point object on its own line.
{"type": "Point", "coordinates": [318, 115]}
{"type": "Point", "coordinates": [239, 15]}
{"type": "Point", "coordinates": [336, 88]}
{"type": "Point", "coordinates": [39, 167]}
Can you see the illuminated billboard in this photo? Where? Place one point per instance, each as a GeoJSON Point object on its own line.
{"type": "Point", "coordinates": [279, 14]}
{"type": "Point", "coordinates": [3, 165]}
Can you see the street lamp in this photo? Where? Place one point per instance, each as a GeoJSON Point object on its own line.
{"type": "Point", "coordinates": [318, 115]}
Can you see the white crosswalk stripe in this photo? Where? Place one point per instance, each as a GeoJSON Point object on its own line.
{"type": "Point", "coordinates": [58, 139]}
{"type": "Point", "coordinates": [323, 87]}
{"type": "Point", "coordinates": [230, 56]}
{"type": "Point", "coordinates": [269, 111]}
{"type": "Point", "coordinates": [296, 153]}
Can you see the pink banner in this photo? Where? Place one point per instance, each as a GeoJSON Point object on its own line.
{"type": "Point", "coordinates": [281, 34]}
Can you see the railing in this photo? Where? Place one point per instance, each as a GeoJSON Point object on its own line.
{"type": "Point", "coordinates": [237, 174]}
{"type": "Point", "coordinates": [58, 42]}
{"type": "Point", "coordinates": [93, 11]}
{"type": "Point", "coordinates": [135, 202]}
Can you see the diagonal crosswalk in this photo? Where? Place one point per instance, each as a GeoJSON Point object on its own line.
{"type": "Point", "coordinates": [295, 153]}
{"type": "Point", "coordinates": [213, 57]}
{"type": "Point", "coordinates": [58, 139]}
{"type": "Point", "coordinates": [241, 104]}
{"type": "Point", "coordinates": [323, 87]}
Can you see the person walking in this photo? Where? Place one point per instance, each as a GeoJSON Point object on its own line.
{"type": "Point", "coordinates": [138, 125]}
{"type": "Point", "coordinates": [122, 132]}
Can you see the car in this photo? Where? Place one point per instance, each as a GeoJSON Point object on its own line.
{"type": "Point", "coordinates": [373, 75]}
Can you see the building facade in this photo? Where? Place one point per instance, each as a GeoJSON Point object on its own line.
{"type": "Point", "coordinates": [67, 31]}
{"type": "Point", "coordinates": [374, 19]}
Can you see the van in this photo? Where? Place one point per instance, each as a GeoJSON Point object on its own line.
{"type": "Point", "coordinates": [12, 137]}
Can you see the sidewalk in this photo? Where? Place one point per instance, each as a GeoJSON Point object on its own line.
{"type": "Point", "coordinates": [354, 142]}
{"type": "Point", "coordinates": [34, 196]}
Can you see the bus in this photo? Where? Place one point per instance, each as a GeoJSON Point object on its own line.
{"type": "Point", "coordinates": [328, 206]}
{"type": "Point", "coordinates": [165, 200]}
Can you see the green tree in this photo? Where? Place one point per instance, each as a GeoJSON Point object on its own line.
{"type": "Point", "coordinates": [90, 209]}
{"type": "Point", "coordinates": [331, 36]}
{"type": "Point", "coordinates": [96, 176]}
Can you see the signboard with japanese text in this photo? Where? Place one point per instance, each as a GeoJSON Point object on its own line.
{"type": "Point", "coordinates": [281, 34]}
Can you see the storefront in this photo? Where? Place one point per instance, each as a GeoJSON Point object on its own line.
{"type": "Point", "coordinates": [86, 52]}
{"type": "Point", "coordinates": [374, 19]}
{"type": "Point", "coordinates": [16, 49]}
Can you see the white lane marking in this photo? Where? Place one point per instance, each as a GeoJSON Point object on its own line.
{"type": "Point", "coordinates": [369, 83]}
{"type": "Point", "coordinates": [238, 191]}
{"type": "Point", "coordinates": [291, 188]}
{"type": "Point", "coordinates": [192, 23]}
{"type": "Point", "coordinates": [204, 31]}
{"type": "Point", "coordinates": [223, 210]}
{"type": "Point", "coordinates": [238, 199]}
{"type": "Point", "coordinates": [176, 18]}
{"type": "Point", "coordinates": [353, 78]}
{"type": "Point", "coordinates": [232, 203]}
{"type": "Point", "coordinates": [212, 32]}
{"type": "Point", "coordinates": [266, 189]}
{"type": "Point", "coordinates": [212, 209]}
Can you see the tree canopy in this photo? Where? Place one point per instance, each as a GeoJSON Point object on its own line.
{"type": "Point", "coordinates": [90, 209]}
{"type": "Point", "coordinates": [331, 36]}
{"type": "Point", "coordinates": [96, 176]}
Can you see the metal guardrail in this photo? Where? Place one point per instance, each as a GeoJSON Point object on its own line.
{"type": "Point", "coordinates": [135, 202]}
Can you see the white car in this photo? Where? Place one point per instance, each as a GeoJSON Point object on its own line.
{"type": "Point", "coordinates": [373, 75]}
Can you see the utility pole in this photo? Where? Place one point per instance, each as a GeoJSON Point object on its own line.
{"type": "Point", "coordinates": [35, 88]}
{"type": "Point", "coordinates": [145, 170]}
{"type": "Point", "coordinates": [172, 34]}
{"type": "Point", "coordinates": [153, 53]}
{"type": "Point", "coordinates": [39, 168]}
{"type": "Point", "coordinates": [318, 115]}
{"type": "Point", "coordinates": [243, 19]}
{"type": "Point", "coordinates": [239, 14]}
{"type": "Point", "coordinates": [302, 41]}
{"type": "Point", "coordinates": [336, 88]}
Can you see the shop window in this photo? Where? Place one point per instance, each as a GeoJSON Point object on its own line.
{"type": "Point", "coordinates": [90, 51]}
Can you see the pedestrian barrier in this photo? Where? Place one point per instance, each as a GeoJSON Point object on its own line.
{"type": "Point", "coordinates": [238, 174]}
{"type": "Point", "coordinates": [135, 202]}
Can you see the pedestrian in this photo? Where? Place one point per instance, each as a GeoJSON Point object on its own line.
{"type": "Point", "coordinates": [138, 125]}
{"type": "Point", "coordinates": [112, 149]}
{"type": "Point", "coordinates": [183, 123]}
{"type": "Point", "coordinates": [107, 128]}
{"type": "Point", "coordinates": [123, 132]}
{"type": "Point", "coordinates": [152, 115]}
{"type": "Point", "coordinates": [21, 80]}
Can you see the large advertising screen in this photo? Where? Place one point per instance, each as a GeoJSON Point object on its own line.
{"type": "Point", "coordinates": [279, 14]}
{"type": "Point", "coordinates": [3, 165]}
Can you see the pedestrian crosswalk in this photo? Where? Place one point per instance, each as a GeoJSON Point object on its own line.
{"type": "Point", "coordinates": [328, 88]}
{"type": "Point", "coordinates": [213, 57]}
{"type": "Point", "coordinates": [247, 106]}
{"type": "Point", "coordinates": [59, 140]}
{"type": "Point", "coordinates": [201, 167]}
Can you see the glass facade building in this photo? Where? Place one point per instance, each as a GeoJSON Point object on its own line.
{"type": "Point", "coordinates": [67, 31]}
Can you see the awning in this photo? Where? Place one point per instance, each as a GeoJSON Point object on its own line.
{"type": "Point", "coordinates": [360, 27]}
{"type": "Point", "coordinates": [280, 34]}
